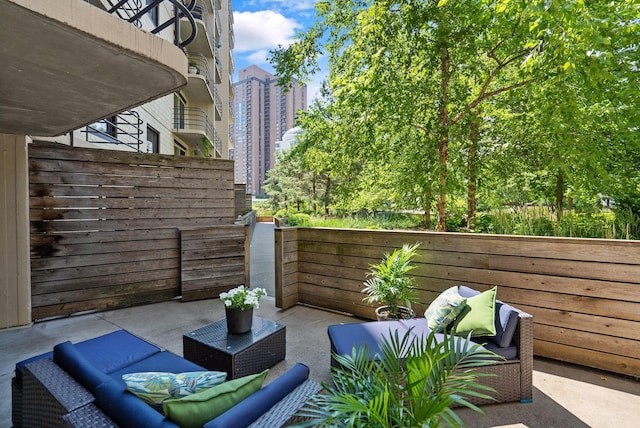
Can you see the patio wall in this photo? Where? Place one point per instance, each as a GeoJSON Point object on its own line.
{"type": "Point", "coordinates": [584, 294]}
{"type": "Point", "coordinates": [105, 226]}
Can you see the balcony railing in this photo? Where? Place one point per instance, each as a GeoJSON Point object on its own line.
{"type": "Point", "coordinates": [201, 11]}
{"type": "Point", "coordinates": [133, 10]}
{"type": "Point", "coordinates": [202, 66]}
{"type": "Point", "coordinates": [193, 124]}
{"type": "Point", "coordinates": [122, 129]}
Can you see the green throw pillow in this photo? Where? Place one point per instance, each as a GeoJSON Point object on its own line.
{"type": "Point", "coordinates": [155, 387]}
{"type": "Point", "coordinates": [198, 409]}
{"type": "Point", "coordinates": [442, 311]}
{"type": "Point", "coordinates": [480, 319]}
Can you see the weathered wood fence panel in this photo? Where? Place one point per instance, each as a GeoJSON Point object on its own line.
{"type": "Point", "coordinates": [584, 294]}
{"type": "Point", "coordinates": [213, 260]}
{"type": "Point", "coordinates": [105, 224]}
{"type": "Point", "coordinates": [243, 200]}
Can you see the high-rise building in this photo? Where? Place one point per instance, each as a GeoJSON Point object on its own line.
{"type": "Point", "coordinates": [263, 113]}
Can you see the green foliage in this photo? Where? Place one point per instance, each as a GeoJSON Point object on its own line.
{"type": "Point", "coordinates": [262, 207]}
{"type": "Point", "coordinates": [389, 283]}
{"type": "Point", "coordinates": [376, 221]}
{"type": "Point", "coordinates": [299, 219]}
{"type": "Point", "coordinates": [553, 86]}
{"type": "Point", "coordinates": [416, 383]}
{"type": "Point", "coordinates": [539, 221]}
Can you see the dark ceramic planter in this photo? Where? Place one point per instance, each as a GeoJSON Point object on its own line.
{"type": "Point", "coordinates": [239, 321]}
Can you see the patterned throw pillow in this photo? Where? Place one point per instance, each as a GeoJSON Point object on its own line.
{"type": "Point", "coordinates": [442, 311]}
{"type": "Point", "coordinates": [155, 387]}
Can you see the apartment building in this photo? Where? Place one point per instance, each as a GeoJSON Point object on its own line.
{"type": "Point", "coordinates": [151, 76]}
{"type": "Point", "coordinates": [193, 121]}
{"type": "Point", "coordinates": [263, 113]}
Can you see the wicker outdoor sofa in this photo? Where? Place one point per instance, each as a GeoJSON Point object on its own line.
{"type": "Point", "coordinates": [514, 342]}
{"type": "Point", "coordinates": [81, 385]}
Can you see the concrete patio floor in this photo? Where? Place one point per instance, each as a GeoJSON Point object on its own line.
{"type": "Point", "coordinates": [564, 395]}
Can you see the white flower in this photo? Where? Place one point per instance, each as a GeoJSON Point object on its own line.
{"type": "Point", "coordinates": [243, 298]}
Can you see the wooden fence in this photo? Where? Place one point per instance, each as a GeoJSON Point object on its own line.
{"type": "Point", "coordinates": [243, 200]}
{"type": "Point", "coordinates": [105, 225]}
{"type": "Point", "coordinates": [584, 294]}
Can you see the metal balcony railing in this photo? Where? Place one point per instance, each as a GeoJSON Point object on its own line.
{"type": "Point", "coordinates": [133, 10]}
{"type": "Point", "coordinates": [193, 119]}
{"type": "Point", "coordinates": [217, 144]}
{"type": "Point", "coordinates": [202, 12]}
{"type": "Point", "coordinates": [122, 129]}
{"type": "Point", "coordinates": [200, 62]}
{"type": "Point", "coordinates": [217, 100]}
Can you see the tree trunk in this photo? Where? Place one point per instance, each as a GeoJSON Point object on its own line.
{"type": "Point", "coordinates": [472, 173]}
{"type": "Point", "coordinates": [427, 209]}
{"type": "Point", "coordinates": [315, 193]}
{"type": "Point", "coordinates": [443, 151]}
{"type": "Point", "coordinates": [559, 194]}
{"type": "Point", "coordinates": [327, 193]}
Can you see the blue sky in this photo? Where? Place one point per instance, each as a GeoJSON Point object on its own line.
{"type": "Point", "coordinates": [262, 25]}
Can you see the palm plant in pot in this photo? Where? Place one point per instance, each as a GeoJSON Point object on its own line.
{"type": "Point", "coordinates": [412, 382]}
{"type": "Point", "coordinates": [390, 285]}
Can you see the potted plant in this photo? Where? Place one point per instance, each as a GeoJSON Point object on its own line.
{"type": "Point", "coordinates": [390, 285]}
{"type": "Point", "coordinates": [238, 304]}
{"type": "Point", "coordinates": [415, 382]}
{"type": "Point", "coordinates": [193, 67]}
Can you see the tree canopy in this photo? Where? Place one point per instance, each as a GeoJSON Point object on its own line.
{"type": "Point", "coordinates": [426, 98]}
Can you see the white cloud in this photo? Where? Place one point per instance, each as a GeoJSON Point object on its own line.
{"type": "Point", "coordinates": [262, 30]}
{"type": "Point", "coordinates": [258, 57]}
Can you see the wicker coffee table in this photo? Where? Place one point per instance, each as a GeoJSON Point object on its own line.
{"type": "Point", "coordinates": [237, 354]}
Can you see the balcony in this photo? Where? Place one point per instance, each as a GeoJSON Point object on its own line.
{"type": "Point", "coordinates": [192, 125]}
{"type": "Point", "coordinates": [205, 39]}
{"type": "Point", "coordinates": [124, 129]}
{"type": "Point", "coordinates": [201, 81]}
{"type": "Point", "coordinates": [218, 104]}
{"type": "Point", "coordinates": [70, 64]}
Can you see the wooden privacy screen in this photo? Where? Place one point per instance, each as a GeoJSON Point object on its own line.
{"type": "Point", "coordinates": [104, 224]}
{"type": "Point", "coordinates": [584, 294]}
{"type": "Point", "coordinates": [213, 260]}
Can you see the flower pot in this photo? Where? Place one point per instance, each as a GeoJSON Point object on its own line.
{"type": "Point", "coordinates": [193, 70]}
{"type": "Point", "coordinates": [404, 313]}
{"type": "Point", "coordinates": [239, 321]}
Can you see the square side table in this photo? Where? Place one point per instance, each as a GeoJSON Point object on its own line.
{"type": "Point", "coordinates": [237, 354]}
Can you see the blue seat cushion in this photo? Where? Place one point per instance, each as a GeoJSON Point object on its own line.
{"type": "Point", "coordinates": [127, 410]}
{"type": "Point", "coordinates": [344, 337]}
{"type": "Point", "coordinates": [507, 352]}
{"type": "Point", "coordinates": [116, 350]}
{"type": "Point", "coordinates": [258, 403]}
{"type": "Point", "coordinates": [107, 353]}
{"type": "Point", "coordinates": [161, 362]}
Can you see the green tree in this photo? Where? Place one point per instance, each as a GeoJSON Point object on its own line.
{"type": "Point", "coordinates": [427, 66]}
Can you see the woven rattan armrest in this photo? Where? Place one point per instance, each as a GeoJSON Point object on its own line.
{"type": "Point", "coordinates": [88, 416]}
{"type": "Point", "coordinates": [524, 341]}
{"type": "Point", "coordinates": [283, 412]}
{"type": "Point", "coordinates": [49, 393]}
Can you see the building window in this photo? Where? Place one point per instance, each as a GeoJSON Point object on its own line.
{"type": "Point", "coordinates": [178, 111]}
{"type": "Point", "coordinates": [179, 149]}
{"type": "Point", "coordinates": [154, 14]}
{"type": "Point", "coordinates": [153, 140]}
